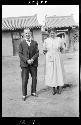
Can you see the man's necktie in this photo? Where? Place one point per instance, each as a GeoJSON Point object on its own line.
{"type": "Point", "coordinates": [28, 42]}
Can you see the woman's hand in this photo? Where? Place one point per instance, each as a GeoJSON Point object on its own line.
{"type": "Point", "coordinates": [44, 51]}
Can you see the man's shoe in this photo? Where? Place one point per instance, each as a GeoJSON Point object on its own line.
{"type": "Point", "coordinates": [34, 94]}
{"type": "Point", "coordinates": [24, 98]}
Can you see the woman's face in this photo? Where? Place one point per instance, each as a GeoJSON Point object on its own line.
{"type": "Point", "coordinates": [52, 34]}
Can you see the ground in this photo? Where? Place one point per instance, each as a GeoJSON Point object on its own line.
{"type": "Point", "coordinates": [46, 104]}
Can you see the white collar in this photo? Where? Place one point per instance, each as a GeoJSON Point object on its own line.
{"type": "Point", "coordinates": [28, 42]}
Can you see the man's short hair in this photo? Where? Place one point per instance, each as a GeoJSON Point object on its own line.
{"type": "Point", "coordinates": [27, 29]}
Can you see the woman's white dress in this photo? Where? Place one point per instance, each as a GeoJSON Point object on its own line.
{"type": "Point", "coordinates": [54, 66]}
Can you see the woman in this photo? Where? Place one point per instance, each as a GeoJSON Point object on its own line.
{"type": "Point", "coordinates": [53, 73]}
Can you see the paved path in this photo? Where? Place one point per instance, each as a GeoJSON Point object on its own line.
{"type": "Point", "coordinates": [46, 104]}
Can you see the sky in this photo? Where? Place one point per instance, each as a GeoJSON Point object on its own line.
{"type": "Point", "coordinates": [41, 11]}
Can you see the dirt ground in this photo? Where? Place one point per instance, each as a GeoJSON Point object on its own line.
{"type": "Point", "coordinates": [46, 104]}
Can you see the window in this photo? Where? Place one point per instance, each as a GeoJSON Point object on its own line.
{"type": "Point", "coordinates": [16, 35]}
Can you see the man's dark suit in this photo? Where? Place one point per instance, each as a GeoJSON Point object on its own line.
{"type": "Point", "coordinates": [25, 53]}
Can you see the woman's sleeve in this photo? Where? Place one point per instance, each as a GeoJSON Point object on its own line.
{"type": "Point", "coordinates": [60, 45]}
{"type": "Point", "coordinates": [59, 42]}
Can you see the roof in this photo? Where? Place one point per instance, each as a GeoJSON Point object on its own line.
{"type": "Point", "coordinates": [12, 23]}
{"type": "Point", "coordinates": [59, 21]}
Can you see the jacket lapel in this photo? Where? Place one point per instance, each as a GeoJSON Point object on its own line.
{"type": "Point", "coordinates": [29, 48]}
{"type": "Point", "coordinates": [26, 44]}
{"type": "Point", "coordinates": [31, 44]}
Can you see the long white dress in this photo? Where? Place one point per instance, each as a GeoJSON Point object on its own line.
{"type": "Point", "coordinates": [53, 69]}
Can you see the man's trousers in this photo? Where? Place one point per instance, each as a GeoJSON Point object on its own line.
{"type": "Point", "coordinates": [25, 76]}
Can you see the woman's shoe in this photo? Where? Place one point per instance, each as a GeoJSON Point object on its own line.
{"type": "Point", "coordinates": [59, 90]}
{"type": "Point", "coordinates": [54, 91]}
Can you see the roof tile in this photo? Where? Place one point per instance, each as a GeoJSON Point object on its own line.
{"type": "Point", "coordinates": [60, 21]}
{"type": "Point", "coordinates": [12, 23]}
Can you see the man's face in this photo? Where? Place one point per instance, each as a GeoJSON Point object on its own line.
{"type": "Point", "coordinates": [27, 34]}
{"type": "Point", "coordinates": [52, 34]}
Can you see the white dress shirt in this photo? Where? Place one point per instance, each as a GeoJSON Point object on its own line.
{"type": "Point", "coordinates": [28, 42]}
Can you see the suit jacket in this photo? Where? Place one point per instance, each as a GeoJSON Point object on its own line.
{"type": "Point", "coordinates": [27, 52]}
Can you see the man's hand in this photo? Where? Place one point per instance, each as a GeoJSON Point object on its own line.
{"type": "Point", "coordinates": [30, 61]}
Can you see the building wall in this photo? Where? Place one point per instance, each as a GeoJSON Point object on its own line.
{"type": "Point", "coordinates": [44, 36]}
{"type": "Point", "coordinates": [67, 40]}
{"type": "Point", "coordinates": [37, 36]}
{"type": "Point", "coordinates": [74, 39]}
{"type": "Point", "coordinates": [7, 46]}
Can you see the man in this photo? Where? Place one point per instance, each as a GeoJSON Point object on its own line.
{"type": "Point", "coordinates": [28, 53]}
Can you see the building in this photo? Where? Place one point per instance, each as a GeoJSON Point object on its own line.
{"type": "Point", "coordinates": [63, 24]}
{"type": "Point", "coordinates": [12, 29]}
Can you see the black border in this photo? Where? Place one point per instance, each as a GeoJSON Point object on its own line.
{"type": "Point", "coordinates": [38, 2]}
